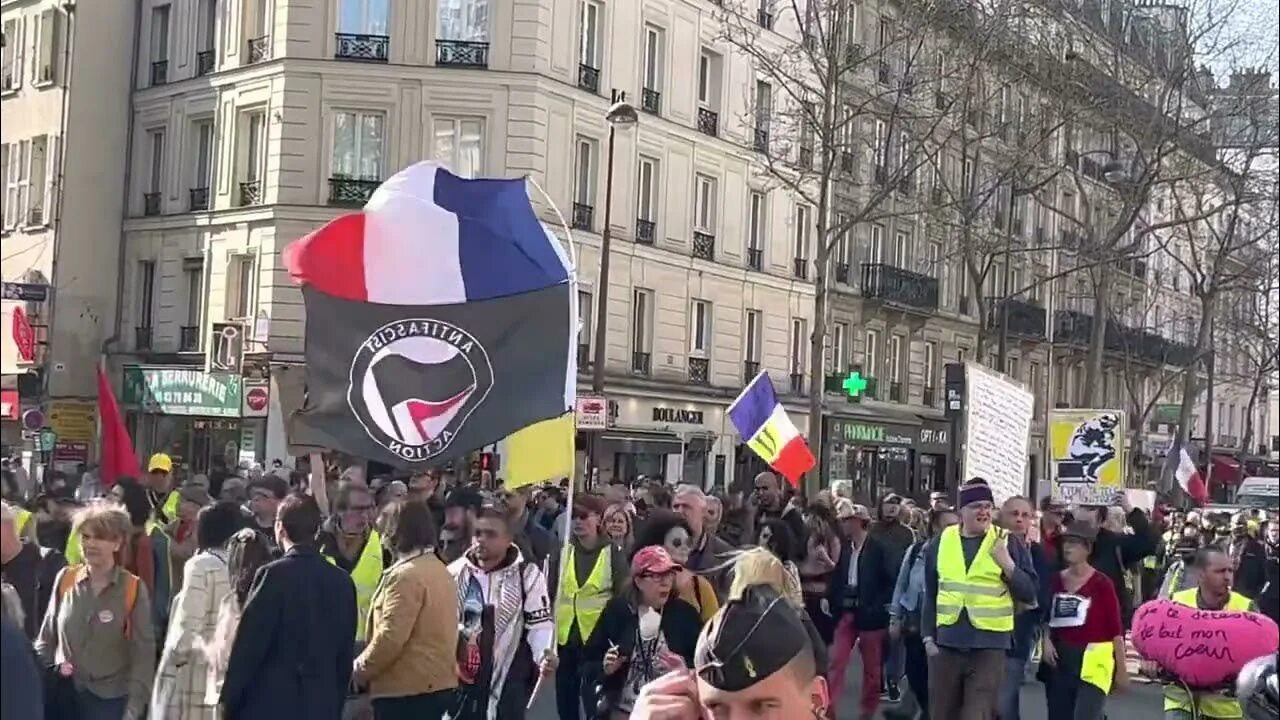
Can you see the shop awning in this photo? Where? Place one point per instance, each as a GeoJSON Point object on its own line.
{"type": "Point", "coordinates": [1226, 470]}
{"type": "Point", "coordinates": [656, 442]}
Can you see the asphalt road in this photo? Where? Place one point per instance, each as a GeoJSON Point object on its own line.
{"type": "Point", "coordinates": [1141, 702]}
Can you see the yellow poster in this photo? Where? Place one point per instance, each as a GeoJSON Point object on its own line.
{"type": "Point", "coordinates": [1089, 460]}
{"type": "Point", "coordinates": [75, 421]}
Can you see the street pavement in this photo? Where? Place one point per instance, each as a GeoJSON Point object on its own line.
{"type": "Point", "coordinates": [1141, 702]}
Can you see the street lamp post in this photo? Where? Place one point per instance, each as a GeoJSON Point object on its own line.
{"type": "Point", "coordinates": [620, 114]}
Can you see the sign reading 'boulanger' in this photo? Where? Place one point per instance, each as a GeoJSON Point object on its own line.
{"type": "Point", "coordinates": [182, 391]}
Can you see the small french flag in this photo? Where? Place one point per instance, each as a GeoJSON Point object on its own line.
{"type": "Point", "coordinates": [763, 423]}
{"type": "Point", "coordinates": [1187, 474]}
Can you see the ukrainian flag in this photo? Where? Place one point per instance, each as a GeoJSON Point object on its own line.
{"type": "Point", "coordinates": [763, 423]}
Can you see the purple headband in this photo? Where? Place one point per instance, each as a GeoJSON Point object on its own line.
{"type": "Point", "coordinates": [975, 493]}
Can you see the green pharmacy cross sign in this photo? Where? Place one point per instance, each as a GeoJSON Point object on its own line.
{"type": "Point", "coordinates": [855, 384]}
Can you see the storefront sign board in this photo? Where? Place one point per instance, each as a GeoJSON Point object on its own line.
{"type": "Point", "coordinates": [1088, 452]}
{"type": "Point", "coordinates": [75, 421]}
{"type": "Point", "coordinates": [682, 416]}
{"type": "Point", "coordinates": [591, 412]}
{"type": "Point", "coordinates": [257, 396]}
{"type": "Point", "coordinates": [182, 391]}
{"type": "Point", "coordinates": [858, 432]}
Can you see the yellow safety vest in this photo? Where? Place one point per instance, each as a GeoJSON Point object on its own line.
{"type": "Point", "coordinates": [1098, 667]}
{"type": "Point", "coordinates": [1149, 562]}
{"type": "Point", "coordinates": [365, 575]}
{"type": "Point", "coordinates": [169, 508]}
{"type": "Point", "coordinates": [980, 590]}
{"type": "Point", "coordinates": [1214, 705]}
{"type": "Point", "coordinates": [23, 517]}
{"type": "Point", "coordinates": [74, 553]}
{"type": "Point", "coordinates": [582, 602]}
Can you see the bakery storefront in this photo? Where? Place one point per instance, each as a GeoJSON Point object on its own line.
{"type": "Point", "coordinates": [877, 456]}
{"type": "Point", "coordinates": [679, 441]}
{"type": "Point", "coordinates": [196, 417]}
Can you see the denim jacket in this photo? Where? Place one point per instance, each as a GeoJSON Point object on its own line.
{"type": "Point", "coordinates": [908, 592]}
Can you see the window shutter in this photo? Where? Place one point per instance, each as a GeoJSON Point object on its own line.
{"type": "Point", "coordinates": [53, 175]}
{"type": "Point", "coordinates": [19, 53]}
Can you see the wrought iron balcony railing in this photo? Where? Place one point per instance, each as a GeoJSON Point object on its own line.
{"type": "Point", "coordinates": [588, 78]}
{"type": "Point", "coordinates": [897, 286]}
{"type": "Point", "coordinates": [755, 258]}
{"type": "Point", "coordinates": [708, 122]}
{"type": "Point", "coordinates": [351, 192]}
{"type": "Point", "coordinates": [188, 338]}
{"type": "Point", "coordinates": [583, 216]}
{"type": "Point", "coordinates": [205, 61]}
{"type": "Point", "coordinates": [250, 193]}
{"type": "Point", "coordinates": [355, 46]}
{"type": "Point", "coordinates": [650, 101]}
{"type": "Point", "coordinates": [640, 363]}
{"type": "Point", "coordinates": [198, 199]}
{"type": "Point", "coordinates": [699, 371]}
{"type": "Point", "coordinates": [646, 231]}
{"type": "Point", "coordinates": [151, 203]}
{"type": "Point", "coordinates": [750, 368]}
{"type": "Point", "coordinates": [462, 54]}
{"type": "Point", "coordinates": [259, 49]}
{"type": "Point", "coordinates": [704, 245]}
{"type": "Point", "coordinates": [159, 72]}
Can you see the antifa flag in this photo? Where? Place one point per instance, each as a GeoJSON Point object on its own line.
{"type": "Point", "coordinates": [438, 321]}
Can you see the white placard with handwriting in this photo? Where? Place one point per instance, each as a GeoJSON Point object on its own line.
{"type": "Point", "coordinates": [998, 413]}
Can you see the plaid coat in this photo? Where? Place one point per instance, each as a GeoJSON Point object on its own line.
{"type": "Point", "coordinates": [179, 690]}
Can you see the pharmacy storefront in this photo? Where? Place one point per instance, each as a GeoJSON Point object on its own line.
{"type": "Point", "coordinates": [197, 417]}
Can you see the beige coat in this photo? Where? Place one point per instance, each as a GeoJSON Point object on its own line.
{"type": "Point", "coordinates": [180, 687]}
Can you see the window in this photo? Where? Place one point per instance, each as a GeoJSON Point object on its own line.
{"type": "Point", "coordinates": [647, 189]}
{"type": "Point", "coordinates": [870, 354]}
{"type": "Point", "coordinates": [930, 369]}
{"type": "Point", "coordinates": [841, 255]}
{"type": "Point", "coordinates": [4, 185]}
{"type": "Point", "coordinates": [11, 59]}
{"type": "Point", "coordinates": [193, 270]}
{"type": "Point", "coordinates": [155, 170]}
{"type": "Point", "coordinates": [584, 319]}
{"type": "Point", "coordinates": [901, 248]}
{"type": "Point", "coordinates": [203, 166]}
{"type": "Point", "coordinates": [146, 292]}
{"type": "Point", "coordinates": [904, 153]}
{"type": "Point", "coordinates": [584, 182]}
{"type": "Point", "coordinates": [641, 320]}
{"type": "Point", "coordinates": [937, 268]}
{"type": "Point", "coordinates": [464, 20]}
{"type": "Point", "coordinates": [1033, 379]}
{"type": "Point", "coordinates": [1012, 368]}
{"type": "Point", "coordinates": [798, 340]}
{"type": "Point", "coordinates": [966, 176]}
{"type": "Point", "coordinates": [709, 80]}
{"type": "Point", "coordinates": [259, 20]}
{"type": "Point", "coordinates": [756, 223]}
{"type": "Point", "coordinates": [653, 58]}
{"type": "Point", "coordinates": [875, 253]}
{"type": "Point", "coordinates": [16, 183]}
{"type": "Point", "coordinates": [895, 358]}
{"type": "Point", "coordinates": [962, 354]}
{"type": "Point", "coordinates": [700, 328]}
{"type": "Point", "coordinates": [159, 33]}
{"type": "Point", "coordinates": [804, 231]}
{"type": "Point", "coordinates": [358, 145]}
{"type": "Point", "coordinates": [764, 104]}
{"type": "Point", "coordinates": [459, 145]}
{"type": "Point", "coordinates": [362, 17]}
{"type": "Point", "coordinates": [589, 34]}
{"type": "Point", "coordinates": [255, 137]}
{"type": "Point", "coordinates": [752, 342]}
{"type": "Point", "coordinates": [241, 284]}
{"type": "Point", "coordinates": [46, 61]}
{"type": "Point", "coordinates": [881, 147]}
{"type": "Point", "coordinates": [704, 218]}
{"type": "Point", "coordinates": [839, 337]}
{"type": "Point", "coordinates": [208, 25]}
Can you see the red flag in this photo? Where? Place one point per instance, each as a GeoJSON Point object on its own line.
{"type": "Point", "coordinates": [118, 457]}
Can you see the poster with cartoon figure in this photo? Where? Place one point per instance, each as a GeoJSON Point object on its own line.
{"type": "Point", "coordinates": [1088, 449]}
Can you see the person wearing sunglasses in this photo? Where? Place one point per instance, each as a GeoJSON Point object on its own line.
{"type": "Point", "coordinates": [642, 634]}
{"type": "Point", "coordinates": [672, 532]}
{"type": "Point", "coordinates": [353, 545]}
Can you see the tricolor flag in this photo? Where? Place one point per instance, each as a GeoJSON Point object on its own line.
{"type": "Point", "coordinates": [763, 423]}
{"type": "Point", "coordinates": [439, 320]}
{"type": "Point", "coordinates": [1180, 465]}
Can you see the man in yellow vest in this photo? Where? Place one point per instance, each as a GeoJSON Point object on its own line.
{"type": "Point", "coordinates": [1214, 573]}
{"type": "Point", "coordinates": [160, 492]}
{"type": "Point", "coordinates": [351, 543]}
{"type": "Point", "coordinates": [974, 575]}
{"type": "Point", "coordinates": [594, 570]}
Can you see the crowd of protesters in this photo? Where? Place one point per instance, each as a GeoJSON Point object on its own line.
{"type": "Point", "coordinates": [255, 593]}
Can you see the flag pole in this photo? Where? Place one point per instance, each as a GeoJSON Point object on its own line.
{"type": "Point", "coordinates": [563, 550]}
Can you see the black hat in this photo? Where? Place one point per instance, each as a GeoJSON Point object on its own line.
{"type": "Point", "coordinates": [1082, 531]}
{"type": "Point", "coordinates": [750, 639]}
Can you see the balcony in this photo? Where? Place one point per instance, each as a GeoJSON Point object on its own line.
{"type": "Point", "coordinates": [842, 273]}
{"type": "Point", "coordinates": [755, 258]}
{"type": "Point", "coordinates": [588, 78]}
{"type": "Point", "coordinates": [352, 46]}
{"type": "Point", "coordinates": [584, 356]}
{"type": "Point", "coordinates": [930, 396]}
{"type": "Point", "coordinates": [250, 193]}
{"type": "Point", "coordinates": [142, 337]}
{"type": "Point", "coordinates": [462, 54]}
{"type": "Point", "coordinates": [205, 61]}
{"type": "Point", "coordinates": [704, 245]}
{"type": "Point", "coordinates": [198, 199]}
{"type": "Point", "coordinates": [750, 369]}
{"type": "Point", "coordinates": [151, 204]}
{"type": "Point", "coordinates": [159, 72]}
{"type": "Point", "coordinates": [583, 216]}
{"type": "Point", "coordinates": [699, 371]}
{"type": "Point", "coordinates": [650, 101]}
{"type": "Point", "coordinates": [1026, 319]}
{"type": "Point", "coordinates": [640, 363]}
{"type": "Point", "coordinates": [351, 192]}
{"type": "Point", "coordinates": [259, 49]}
{"type": "Point", "coordinates": [646, 230]}
{"type": "Point", "coordinates": [796, 383]}
{"type": "Point", "coordinates": [896, 392]}
{"type": "Point", "coordinates": [764, 19]}
{"type": "Point", "coordinates": [800, 267]}
{"type": "Point", "coordinates": [189, 338]}
{"type": "Point", "coordinates": [708, 122]}
{"type": "Point", "coordinates": [896, 286]}
{"type": "Point", "coordinates": [1072, 327]}
{"type": "Point", "coordinates": [846, 161]}
{"type": "Point", "coordinates": [760, 140]}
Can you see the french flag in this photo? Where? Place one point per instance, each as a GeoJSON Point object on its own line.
{"type": "Point", "coordinates": [1184, 470]}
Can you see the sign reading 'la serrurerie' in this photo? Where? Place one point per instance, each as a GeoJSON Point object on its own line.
{"type": "Point", "coordinates": [182, 391]}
